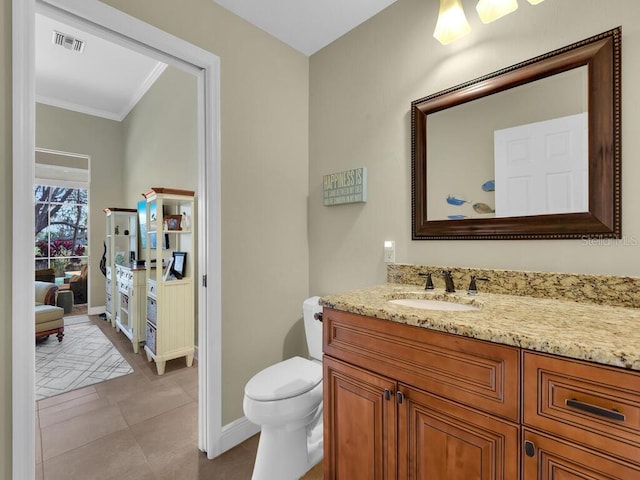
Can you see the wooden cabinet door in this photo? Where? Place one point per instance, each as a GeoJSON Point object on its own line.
{"type": "Point", "coordinates": [548, 458]}
{"type": "Point", "coordinates": [439, 439]}
{"type": "Point", "coordinates": [359, 423]}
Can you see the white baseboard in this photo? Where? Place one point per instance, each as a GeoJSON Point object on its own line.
{"type": "Point", "coordinates": [236, 432]}
{"type": "Point", "coordinates": [96, 310]}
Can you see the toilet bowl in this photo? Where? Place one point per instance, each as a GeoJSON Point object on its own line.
{"type": "Point", "coordinates": [285, 399]}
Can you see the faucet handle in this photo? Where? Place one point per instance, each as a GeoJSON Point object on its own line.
{"type": "Point", "coordinates": [429, 284]}
{"type": "Point", "coordinates": [473, 289]}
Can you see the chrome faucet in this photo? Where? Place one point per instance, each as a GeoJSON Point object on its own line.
{"type": "Point", "coordinates": [449, 287]}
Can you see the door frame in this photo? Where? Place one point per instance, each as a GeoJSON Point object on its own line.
{"type": "Point", "coordinates": [108, 21]}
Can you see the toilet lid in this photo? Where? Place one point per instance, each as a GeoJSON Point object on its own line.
{"type": "Point", "coordinates": [286, 379]}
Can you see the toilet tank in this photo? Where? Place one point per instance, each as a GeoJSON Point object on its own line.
{"type": "Point", "coordinates": [313, 327]}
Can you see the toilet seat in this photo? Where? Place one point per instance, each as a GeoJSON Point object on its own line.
{"type": "Point", "coordinates": [289, 378]}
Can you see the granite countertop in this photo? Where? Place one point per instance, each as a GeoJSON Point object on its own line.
{"type": "Point", "coordinates": [597, 333]}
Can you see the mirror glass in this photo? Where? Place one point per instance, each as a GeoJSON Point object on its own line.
{"type": "Point", "coordinates": [531, 151]}
{"type": "Point", "coordinates": [523, 152]}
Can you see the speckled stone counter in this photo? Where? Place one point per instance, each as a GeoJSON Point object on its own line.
{"type": "Point", "coordinates": [604, 334]}
{"type": "Point", "coordinates": [610, 290]}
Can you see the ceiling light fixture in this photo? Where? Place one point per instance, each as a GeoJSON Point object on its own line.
{"type": "Point", "coordinates": [491, 10]}
{"type": "Point", "coordinates": [452, 23]}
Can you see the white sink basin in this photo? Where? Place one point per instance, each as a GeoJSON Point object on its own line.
{"type": "Point", "coordinates": [428, 304]}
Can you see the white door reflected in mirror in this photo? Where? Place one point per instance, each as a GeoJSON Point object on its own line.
{"type": "Point", "coordinates": [542, 167]}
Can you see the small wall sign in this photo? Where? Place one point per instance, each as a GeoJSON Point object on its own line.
{"type": "Point", "coordinates": [349, 186]}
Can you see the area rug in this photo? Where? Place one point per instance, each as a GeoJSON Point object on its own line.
{"type": "Point", "coordinates": [84, 357]}
{"type": "Point", "coordinates": [75, 320]}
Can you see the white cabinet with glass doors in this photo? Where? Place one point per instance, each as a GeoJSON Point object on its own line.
{"type": "Point", "coordinates": [121, 247]}
{"type": "Point", "coordinates": [131, 304]}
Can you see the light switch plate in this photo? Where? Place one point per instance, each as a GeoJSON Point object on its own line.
{"type": "Point", "coordinates": [389, 251]}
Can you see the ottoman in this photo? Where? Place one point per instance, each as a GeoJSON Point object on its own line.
{"type": "Point", "coordinates": [49, 321]}
{"type": "Point", "coordinates": [65, 300]}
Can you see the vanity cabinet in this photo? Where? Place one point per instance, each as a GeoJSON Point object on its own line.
{"type": "Point", "coordinates": [406, 402]}
{"type": "Point", "coordinates": [581, 420]}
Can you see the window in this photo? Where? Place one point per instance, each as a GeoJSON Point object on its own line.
{"type": "Point", "coordinates": [61, 237]}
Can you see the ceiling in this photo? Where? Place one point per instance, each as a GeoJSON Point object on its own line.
{"type": "Point", "coordinates": [107, 80]}
{"type": "Point", "coordinates": [306, 25]}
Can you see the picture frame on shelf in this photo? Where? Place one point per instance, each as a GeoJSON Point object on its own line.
{"type": "Point", "coordinates": [119, 258]}
{"type": "Point", "coordinates": [153, 241]}
{"type": "Point", "coordinates": [142, 222]}
{"type": "Point", "coordinates": [179, 264]}
{"type": "Point", "coordinates": [173, 222]}
{"type": "Point", "coordinates": [167, 270]}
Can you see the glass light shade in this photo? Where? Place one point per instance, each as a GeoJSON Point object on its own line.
{"type": "Point", "coordinates": [452, 23]}
{"type": "Point", "coordinates": [535, 2]}
{"type": "Point", "coordinates": [490, 10]}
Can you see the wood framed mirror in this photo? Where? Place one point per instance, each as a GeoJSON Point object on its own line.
{"type": "Point", "coordinates": [475, 161]}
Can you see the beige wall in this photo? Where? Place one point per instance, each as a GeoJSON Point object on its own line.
{"type": "Point", "coordinates": [264, 97]}
{"type": "Point", "coordinates": [160, 138]}
{"type": "Point", "coordinates": [101, 140]}
{"type": "Point", "coordinates": [361, 87]}
{"type": "Point", "coordinates": [264, 125]}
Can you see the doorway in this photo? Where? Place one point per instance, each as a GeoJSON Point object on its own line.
{"type": "Point", "coordinates": [62, 199]}
{"type": "Point", "coordinates": [106, 21]}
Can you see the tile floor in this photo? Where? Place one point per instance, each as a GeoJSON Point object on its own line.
{"type": "Point", "coordinates": [136, 427]}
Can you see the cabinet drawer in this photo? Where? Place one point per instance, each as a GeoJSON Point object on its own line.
{"type": "Point", "coordinates": [152, 311]}
{"type": "Point", "coordinates": [480, 374]}
{"type": "Point", "coordinates": [555, 459]}
{"type": "Point", "coordinates": [152, 288]}
{"type": "Point", "coordinates": [598, 405]}
{"type": "Point", "coordinates": [151, 338]}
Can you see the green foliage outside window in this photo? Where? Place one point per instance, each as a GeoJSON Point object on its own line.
{"type": "Point", "coordinates": [61, 236]}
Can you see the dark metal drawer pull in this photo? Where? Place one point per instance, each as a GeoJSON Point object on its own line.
{"type": "Point", "coordinates": [587, 407]}
{"type": "Point", "coordinates": [387, 394]}
{"type": "Point", "coordinates": [529, 448]}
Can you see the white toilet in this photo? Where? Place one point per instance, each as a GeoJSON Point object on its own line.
{"type": "Point", "coordinates": [285, 399]}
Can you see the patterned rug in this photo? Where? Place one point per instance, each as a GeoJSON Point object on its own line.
{"type": "Point", "coordinates": [84, 357]}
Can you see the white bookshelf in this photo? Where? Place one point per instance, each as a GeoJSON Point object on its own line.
{"type": "Point", "coordinates": [170, 309]}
